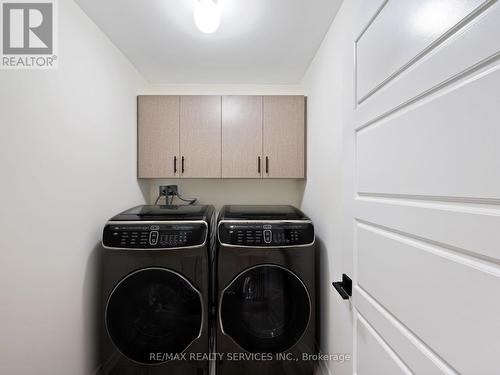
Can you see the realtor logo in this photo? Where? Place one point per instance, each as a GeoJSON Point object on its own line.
{"type": "Point", "coordinates": [28, 34]}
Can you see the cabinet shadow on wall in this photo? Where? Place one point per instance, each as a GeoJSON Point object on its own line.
{"type": "Point", "coordinates": [323, 283]}
{"type": "Point", "coordinates": [92, 305]}
{"type": "Point", "coordinates": [219, 192]}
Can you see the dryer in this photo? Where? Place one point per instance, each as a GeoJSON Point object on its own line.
{"type": "Point", "coordinates": [266, 291]}
{"type": "Point", "coordinates": [156, 289]}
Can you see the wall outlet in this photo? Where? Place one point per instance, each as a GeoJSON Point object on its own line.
{"type": "Point", "coordinates": [165, 190]}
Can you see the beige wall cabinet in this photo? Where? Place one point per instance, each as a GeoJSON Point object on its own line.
{"type": "Point", "coordinates": [157, 136]}
{"type": "Point", "coordinates": [229, 137]}
{"type": "Point", "coordinates": [179, 136]}
{"type": "Point", "coordinates": [263, 137]}
{"type": "Point", "coordinates": [241, 136]}
{"type": "Point", "coordinates": [284, 136]}
{"type": "Point", "coordinates": [200, 136]}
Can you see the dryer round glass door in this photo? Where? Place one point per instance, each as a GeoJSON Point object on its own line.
{"type": "Point", "coordinates": [265, 309]}
{"type": "Point", "coordinates": [154, 310]}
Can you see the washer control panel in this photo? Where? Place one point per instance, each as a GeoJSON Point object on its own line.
{"type": "Point", "coordinates": [266, 234]}
{"type": "Point", "coordinates": [153, 236]}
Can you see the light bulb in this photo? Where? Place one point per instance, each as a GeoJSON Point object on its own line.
{"type": "Point", "coordinates": [207, 16]}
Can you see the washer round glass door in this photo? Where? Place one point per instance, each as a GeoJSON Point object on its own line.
{"type": "Point", "coordinates": [154, 310]}
{"type": "Point", "coordinates": [265, 309]}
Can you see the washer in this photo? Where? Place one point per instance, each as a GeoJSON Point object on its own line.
{"type": "Point", "coordinates": [266, 291]}
{"type": "Point", "coordinates": [156, 290]}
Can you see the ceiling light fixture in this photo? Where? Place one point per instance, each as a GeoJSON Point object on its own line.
{"type": "Point", "coordinates": [207, 15]}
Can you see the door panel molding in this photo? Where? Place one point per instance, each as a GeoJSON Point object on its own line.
{"type": "Point", "coordinates": [467, 228]}
{"type": "Point", "coordinates": [416, 354]}
{"type": "Point", "coordinates": [391, 159]}
{"type": "Point", "coordinates": [419, 34]}
{"type": "Point", "coordinates": [444, 290]}
{"type": "Point", "coordinates": [445, 66]}
{"type": "Point", "coordinates": [373, 354]}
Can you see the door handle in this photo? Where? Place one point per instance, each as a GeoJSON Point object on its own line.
{"type": "Point", "coordinates": [267, 165]}
{"type": "Point", "coordinates": [175, 164]}
{"type": "Point", "coordinates": [258, 164]}
{"type": "Point", "coordinates": [344, 287]}
{"type": "Point", "coordinates": [182, 164]}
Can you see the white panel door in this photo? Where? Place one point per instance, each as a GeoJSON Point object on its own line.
{"type": "Point", "coordinates": [422, 138]}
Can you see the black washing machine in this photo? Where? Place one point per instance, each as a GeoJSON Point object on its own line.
{"type": "Point", "coordinates": [156, 288]}
{"type": "Point", "coordinates": [266, 291]}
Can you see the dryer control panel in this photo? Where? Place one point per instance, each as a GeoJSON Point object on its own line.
{"type": "Point", "coordinates": [161, 235]}
{"type": "Point", "coordinates": [266, 234]}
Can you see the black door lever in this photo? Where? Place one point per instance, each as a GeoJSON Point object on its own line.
{"type": "Point", "coordinates": [344, 287]}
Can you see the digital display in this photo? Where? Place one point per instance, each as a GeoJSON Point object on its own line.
{"type": "Point", "coordinates": [156, 236]}
{"type": "Point", "coordinates": [260, 234]}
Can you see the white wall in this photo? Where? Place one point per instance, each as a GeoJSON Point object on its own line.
{"type": "Point", "coordinates": [235, 191]}
{"type": "Point", "coordinates": [231, 191]}
{"type": "Point", "coordinates": [66, 165]}
{"type": "Point", "coordinates": [325, 85]}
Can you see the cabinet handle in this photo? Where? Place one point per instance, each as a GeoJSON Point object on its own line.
{"type": "Point", "coordinates": [182, 164]}
{"type": "Point", "coordinates": [258, 164]}
{"type": "Point", "coordinates": [175, 164]}
{"type": "Point", "coordinates": [344, 287]}
{"type": "Point", "coordinates": [267, 165]}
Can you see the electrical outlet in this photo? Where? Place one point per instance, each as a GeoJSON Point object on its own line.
{"type": "Point", "coordinates": [172, 190]}
{"type": "Point", "coordinates": [165, 190]}
{"type": "Point", "coordinates": [162, 190]}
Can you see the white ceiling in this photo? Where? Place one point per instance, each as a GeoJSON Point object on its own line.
{"type": "Point", "coordinates": [258, 42]}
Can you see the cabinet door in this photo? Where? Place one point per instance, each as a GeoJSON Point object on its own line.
{"type": "Point", "coordinates": [158, 136]}
{"type": "Point", "coordinates": [242, 136]}
{"type": "Point", "coordinates": [200, 129]}
{"type": "Point", "coordinates": [284, 136]}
